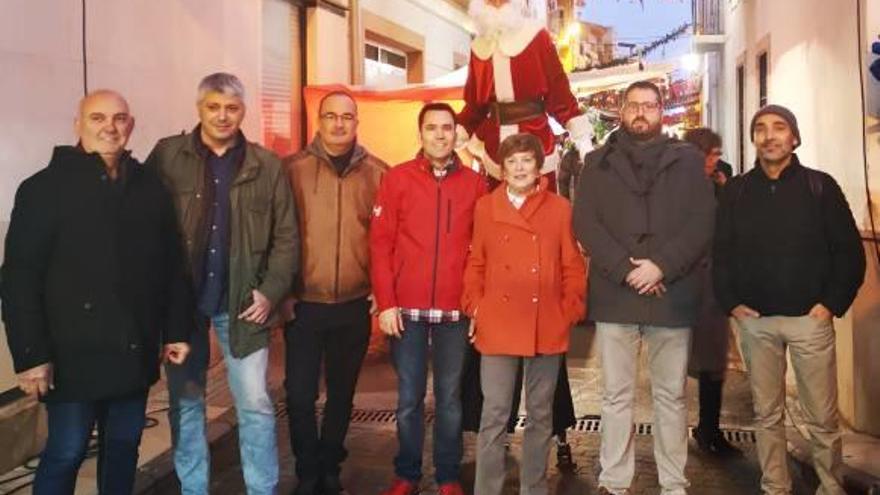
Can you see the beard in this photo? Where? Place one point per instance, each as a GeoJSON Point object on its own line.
{"type": "Point", "coordinates": [642, 129]}
{"type": "Point", "coordinates": [491, 20]}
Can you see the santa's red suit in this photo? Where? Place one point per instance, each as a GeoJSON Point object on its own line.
{"type": "Point", "coordinates": [514, 80]}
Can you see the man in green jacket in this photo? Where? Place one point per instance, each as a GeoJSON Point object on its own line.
{"type": "Point", "coordinates": [238, 223]}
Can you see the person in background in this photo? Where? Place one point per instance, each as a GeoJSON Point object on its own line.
{"type": "Point", "coordinates": [711, 334]}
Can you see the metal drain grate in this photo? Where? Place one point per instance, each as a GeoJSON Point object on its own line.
{"type": "Point", "coordinates": [585, 424]}
{"type": "Point", "coordinates": [367, 416]}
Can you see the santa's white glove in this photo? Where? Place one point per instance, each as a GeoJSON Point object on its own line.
{"type": "Point", "coordinates": [580, 129]}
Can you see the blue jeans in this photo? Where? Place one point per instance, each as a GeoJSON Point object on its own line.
{"type": "Point", "coordinates": [120, 424]}
{"type": "Point", "coordinates": [448, 342]}
{"type": "Point", "coordinates": [256, 415]}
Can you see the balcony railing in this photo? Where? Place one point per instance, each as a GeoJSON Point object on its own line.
{"type": "Point", "coordinates": [707, 17]}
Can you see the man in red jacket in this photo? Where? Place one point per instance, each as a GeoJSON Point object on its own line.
{"type": "Point", "coordinates": [419, 239]}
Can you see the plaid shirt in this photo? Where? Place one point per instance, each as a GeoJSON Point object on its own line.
{"type": "Point", "coordinates": [431, 315]}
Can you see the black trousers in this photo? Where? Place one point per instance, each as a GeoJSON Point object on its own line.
{"type": "Point", "coordinates": [336, 335]}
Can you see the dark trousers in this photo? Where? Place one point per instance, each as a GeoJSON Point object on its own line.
{"type": "Point", "coordinates": [337, 335]}
{"type": "Point", "coordinates": [120, 424]}
{"type": "Point", "coordinates": [711, 386]}
{"type": "Point", "coordinates": [410, 353]}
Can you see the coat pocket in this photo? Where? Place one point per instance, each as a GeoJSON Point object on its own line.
{"type": "Point", "coordinates": [259, 225]}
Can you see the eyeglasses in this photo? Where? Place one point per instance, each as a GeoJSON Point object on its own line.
{"type": "Point", "coordinates": [333, 117]}
{"type": "Point", "coordinates": [646, 106]}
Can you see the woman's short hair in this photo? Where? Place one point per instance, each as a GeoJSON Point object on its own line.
{"type": "Point", "coordinates": [521, 143]}
{"type": "Point", "coordinates": [703, 138]}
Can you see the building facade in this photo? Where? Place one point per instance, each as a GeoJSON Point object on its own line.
{"type": "Point", "coordinates": [386, 43]}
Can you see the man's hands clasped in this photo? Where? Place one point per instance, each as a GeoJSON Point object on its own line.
{"type": "Point", "coordinates": [646, 278]}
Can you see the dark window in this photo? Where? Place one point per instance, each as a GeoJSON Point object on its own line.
{"type": "Point", "coordinates": [762, 80]}
{"type": "Point", "coordinates": [394, 59]}
{"type": "Point", "coordinates": [371, 52]}
{"type": "Point", "coordinates": [740, 115]}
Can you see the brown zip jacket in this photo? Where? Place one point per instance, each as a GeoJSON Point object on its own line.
{"type": "Point", "coordinates": [334, 218]}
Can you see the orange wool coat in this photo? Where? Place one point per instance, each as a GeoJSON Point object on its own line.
{"type": "Point", "coordinates": [525, 277]}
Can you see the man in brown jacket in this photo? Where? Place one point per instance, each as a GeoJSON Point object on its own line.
{"type": "Point", "coordinates": [334, 182]}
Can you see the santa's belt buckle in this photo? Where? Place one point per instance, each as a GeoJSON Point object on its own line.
{"type": "Point", "coordinates": [514, 112]}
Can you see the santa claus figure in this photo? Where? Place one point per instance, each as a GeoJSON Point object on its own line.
{"type": "Point", "coordinates": [515, 79]}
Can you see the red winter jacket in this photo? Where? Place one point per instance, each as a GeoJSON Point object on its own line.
{"type": "Point", "coordinates": [420, 233]}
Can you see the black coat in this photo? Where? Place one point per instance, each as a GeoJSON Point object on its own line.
{"type": "Point", "coordinates": [667, 218]}
{"type": "Point", "coordinates": [93, 280]}
{"type": "Point", "coordinates": [783, 245]}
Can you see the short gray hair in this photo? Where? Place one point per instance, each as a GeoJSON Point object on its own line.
{"type": "Point", "coordinates": [221, 82]}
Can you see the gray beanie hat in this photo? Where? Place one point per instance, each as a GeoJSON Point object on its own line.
{"type": "Point", "coordinates": [781, 111]}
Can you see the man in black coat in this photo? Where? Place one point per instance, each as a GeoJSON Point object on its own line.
{"type": "Point", "coordinates": [644, 212]}
{"type": "Point", "coordinates": [787, 258]}
{"type": "Point", "coordinates": [93, 291]}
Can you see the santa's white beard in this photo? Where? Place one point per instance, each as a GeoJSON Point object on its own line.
{"type": "Point", "coordinates": [489, 19]}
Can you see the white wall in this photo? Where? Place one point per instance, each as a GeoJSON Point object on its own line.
{"type": "Point", "coordinates": [443, 36]}
{"type": "Point", "coordinates": [813, 70]}
{"type": "Point", "coordinates": [329, 42]}
{"type": "Point", "coordinates": [153, 51]}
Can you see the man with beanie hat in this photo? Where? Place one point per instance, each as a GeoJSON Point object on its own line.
{"type": "Point", "coordinates": [788, 257]}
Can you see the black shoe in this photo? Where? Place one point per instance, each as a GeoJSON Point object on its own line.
{"type": "Point", "coordinates": [715, 444]}
{"type": "Point", "coordinates": [564, 460]}
{"type": "Point", "coordinates": [307, 487]}
{"type": "Point", "coordinates": [331, 485]}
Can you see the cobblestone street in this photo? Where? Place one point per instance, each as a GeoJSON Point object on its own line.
{"type": "Point", "coordinates": [372, 441]}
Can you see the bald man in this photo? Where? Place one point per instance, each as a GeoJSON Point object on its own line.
{"type": "Point", "coordinates": [93, 294]}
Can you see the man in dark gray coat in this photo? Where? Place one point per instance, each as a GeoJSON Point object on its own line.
{"type": "Point", "coordinates": [644, 212]}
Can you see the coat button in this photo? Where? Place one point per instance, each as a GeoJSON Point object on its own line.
{"type": "Point", "coordinates": [198, 196]}
{"type": "Point", "coordinates": [535, 299]}
{"type": "Point", "coordinates": [134, 347]}
{"type": "Point", "coordinates": [534, 269]}
{"type": "Point", "coordinates": [505, 298]}
{"type": "Point", "coordinates": [535, 237]}
{"type": "Point", "coordinates": [88, 306]}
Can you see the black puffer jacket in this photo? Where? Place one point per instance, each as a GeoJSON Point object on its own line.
{"type": "Point", "coordinates": [93, 279]}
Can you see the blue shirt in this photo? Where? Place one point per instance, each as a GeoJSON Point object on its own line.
{"type": "Point", "coordinates": [220, 173]}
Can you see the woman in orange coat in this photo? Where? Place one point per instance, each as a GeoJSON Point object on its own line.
{"type": "Point", "coordinates": [525, 284]}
